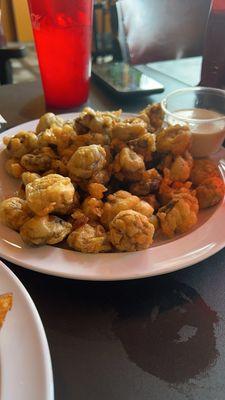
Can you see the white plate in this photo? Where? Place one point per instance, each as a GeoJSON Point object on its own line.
{"type": "Point", "coordinates": [25, 364]}
{"type": "Point", "coordinates": [203, 241]}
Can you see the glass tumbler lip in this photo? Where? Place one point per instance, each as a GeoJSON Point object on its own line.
{"type": "Point", "coordinates": [219, 92]}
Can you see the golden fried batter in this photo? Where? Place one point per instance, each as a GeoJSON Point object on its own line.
{"type": "Point", "coordinates": [128, 130]}
{"type": "Point", "coordinates": [14, 212]}
{"type": "Point", "coordinates": [203, 169]}
{"type": "Point", "coordinates": [47, 120]}
{"type": "Point", "coordinates": [51, 193]}
{"type": "Point", "coordinates": [92, 208]}
{"type": "Point", "coordinates": [145, 146]}
{"type": "Point", "coordinates": [14, 168]}
{"type": "Point", "coordinates": [89, 239]}
{"type": "Point", "coordinates": [128, 165]}
{"type": "Point", "coordinates": [36, 162]}
{"type": "Point", "coordinates": [131, 231]}
{"type": "Point", "coordinates": [86, 161]}
{"type": "Point", "coordinates": [28, 177]}
{"type": "Point", "coordinates": [178, 168]}
{"type": "Point", "coordinates": [95, 121]}
{"type": "Point", "coordinates": [6, 302]}
{"type": "Point", "coordinates": [175, 139]}
{"type": "Point", "coordinates": [48, 229]}
{"type": "Point", "coordinates": [168, 189]}
{"type": "Point", "coordinates": [122, 201]}
{"type": "Point", "coordinates": [96, 190]}
{"type": "Point", "coordinates": [155, 116]}
{"type": "Point", "coordinates": [149, 183]}
{"type": "Point", "coordinates": [179, 215]}
{"type": "Point", "coordinates": [20, 144]}
{"type": "Point", "coordinates": [210, 192]}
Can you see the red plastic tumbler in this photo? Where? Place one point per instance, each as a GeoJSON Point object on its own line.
{"type": "Point", "coordinates": [62, 32]}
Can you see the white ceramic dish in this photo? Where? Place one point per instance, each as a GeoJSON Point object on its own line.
{"type": "Point", "coordinates": [202, 242]}
{"type": "Point", "coordinates": [25, 364]}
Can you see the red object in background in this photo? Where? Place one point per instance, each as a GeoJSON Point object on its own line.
{"type": "Point", "coordinates": [62, 32]}
{"type": "Point", "coordinates": [213, 66]}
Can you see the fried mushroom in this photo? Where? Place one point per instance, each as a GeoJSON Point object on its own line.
{"type": "Point", "coordinates": [122, 201]}
{"type": "Point", "coordinates": [131, 231]}
{"type": "Point", "coordinates": [51, 193]}
{"type": "Point", "coordinates": [203, 169]}
{"type": "Point", "coordinates": [175, 139]}
{"type": "Point", "coordinates": [210, 192]}
{"type": "Point", "coordinates": [48, 229]}
{"type": "Point", "coordinates": [128, 165]}
{"type": "Point", "coordinates": [14, 212]}
{"type": "Point", "coordinates": [86, 161]}
{"type": "Point", "coordinates": [179, 215]}
{"type": "Point", "coordinates": [47, 120]}
{"type": "Point", "coordinates": [20, 144]}
{"type": "Point", "coordinates": [89, 239]}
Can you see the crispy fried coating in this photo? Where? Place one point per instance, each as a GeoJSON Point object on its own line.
{"type": "Point", "coordinates": [78, 218]}
{"type": "Point", "coordinates": [14, 212]}
{"type": "Point", "coordinates": [203, 169]}
{"type": "Point", "coordinates": [179, 215]}
{"type": "Point", "coordinates": [92, 208]}
{"type": "Point", "coordinates": [47, 120]}
{"type": "Point", "coordinates": [14, 168]}
{"type": "Point", "coordinates": [128, 165]}
{"type": "Point", "coordinates": [128, 129]}
{"type": "Point", "coordinates": [122, 201]}
{"type": "Point", "coordinates": [96, 190]}
{"type": "Point", "coordinates": [20, 144]}
{"type": "Point", "coordinates": [178, 168]}
{"type": "Point", "coordinates": [95, 121]}
{"type": "Point", "coordinates": [36, 162]}
{"type": "Point", "coordinates": [175, 139]}
{"type": "Point", "coordinates": [51, 193]}
{"type": "Point", "coordinates": [131, 231]}
{"type": "Point", "coordinates": [48, 229]}
{"type": "Point", "coordinates": [6, 302]}
{"type": "Point", "coordinates": [86, 161]}
{"type": "Point", "coordinates": [145, 146]}
{"type": "Point", "coordinates": [28, 177]}
{"type": "Point", "coordinates": [210, 192]}
{"type": "Point", "coordinates": [149, 183]}
{"type": "Point", "coordinates": [155, 116]}
{"type": "Point", "coordinates": [152, 200]}
{"type": "Point", "coordinates": [168, 189]}
{"type": "Point", "coordinates": [89, 239]}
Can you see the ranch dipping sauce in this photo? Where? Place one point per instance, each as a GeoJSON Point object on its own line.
{"type": "Point", "coordinates": [208, 132]}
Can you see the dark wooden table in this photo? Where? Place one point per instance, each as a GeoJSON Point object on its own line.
{"type": "Point", "coordinates": [161, 338]}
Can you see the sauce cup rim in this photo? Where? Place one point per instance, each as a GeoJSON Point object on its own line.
{"type": "Point", "coordinates": [216, 91]}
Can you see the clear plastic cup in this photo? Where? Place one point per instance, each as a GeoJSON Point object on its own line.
{"type": "Point", "coordinates": [203, 109]}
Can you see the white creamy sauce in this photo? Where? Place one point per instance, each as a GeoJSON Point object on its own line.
{"type": "Point", "coordinates": [207, 136]}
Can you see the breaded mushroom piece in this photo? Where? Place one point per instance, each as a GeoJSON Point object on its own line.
{"type": "Point", "coordinates": [51, 193]}
{"type": "Point", "coordinates": [210, 192]}
{"type": "Point", "coordinates": [20, 144]}
{"type": "Point", "coordinates": [175, 139]}
{"type": "Point", "coordinates": [44, 230]}
{"type": "Point", "coordinates": [128, 129]}
{"type": "Point", "coordinates": [122, 201]}
{"type": "Point", "coordinates": [86, 161]}
{"type": "Point", "coordinates": [14, 168]}
{"type": "Point", "coordinates": [128, 165]}
{"type": "Point", "coordinates": [28, 177]}
{"type": "Point", "coordinates": [95, 121]}
{"type": "Point", "coordinates": [14, 212]}
{"type": "Point", "coordinates": [47, 120]}
{"type": "Point", "coordinates": [89, 239]}
{"type": "Point", "coordinates": [179, 215]}
{"type": "Point", "coordinates": [131, 231]}
{"type": "Point", "coordinates": [203, 169]}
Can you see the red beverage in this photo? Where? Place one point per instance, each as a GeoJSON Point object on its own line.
{"type": "Point", "coordinates": [62, 32]}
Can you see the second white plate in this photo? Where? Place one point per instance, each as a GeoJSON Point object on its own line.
{"type": "Point", "coordinates": [25, 364]}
